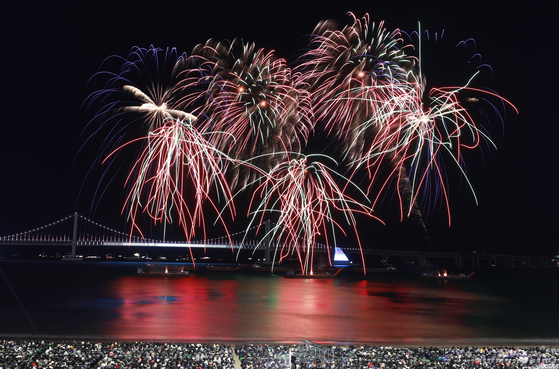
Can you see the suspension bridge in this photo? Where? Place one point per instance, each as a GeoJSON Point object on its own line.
{"type": "Point", "coordinates": [78, 231]}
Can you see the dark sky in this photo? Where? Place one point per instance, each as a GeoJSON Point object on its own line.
{"type": "Point", "coordinates": [50, 51]}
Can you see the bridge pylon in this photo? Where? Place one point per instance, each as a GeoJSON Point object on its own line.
{"type": "Point", "coordinates": [75, 235]}
{"type": "Point", "coordinates": [74, 240]}
{"type": "Point", "coordinates": [267, 241]}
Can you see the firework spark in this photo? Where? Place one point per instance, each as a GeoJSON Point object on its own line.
{"type": "Point", "coordinates": [250, 95]}
{"type": "Point", "coordinates": [368, 94]}
{"type": "Point", "coordinates": [306, 198]}
{"type": "Point", "coordinates": [146, 83]}
{"type": "Point", "coordinates": [154, 113]}
{"type": "Point", "coordinates": [177, 160]}
{"type": "Point", "coordinates": [352, 73]}
{"type": "Point", "coordinates": [232, 116]}
{"type": "Point", "coordinates": [415, 141]}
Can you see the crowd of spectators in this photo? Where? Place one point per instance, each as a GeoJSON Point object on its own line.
{"type": "Point", "coordinates": [77, 355]}
{"type": "Point", "coordinates": [305, 355]}
{"type": "Point", "coordinates": [310, 356]}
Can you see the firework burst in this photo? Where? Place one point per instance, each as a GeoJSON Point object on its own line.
{"type": "Point", "coordinates": [135, 100]}
{"type": "Point", "coordinates": [356, 75]}
{"type": "Point", "coordinates": [368, 94]}
{"type": "Point", "coordinates": [250, 95]}
{"type": "Point", "coordinates": [416, 142]}
{"type": "Point", "coordinates": [362, 81]}
{"type": "Point", "coordinates": [232, 116]}
{"type": "Point", "coordinates": [145, 84]}
{"type": "Point", "coordinates": [306, 198]}
{"type": "Point", "coordinates": [176, 160]}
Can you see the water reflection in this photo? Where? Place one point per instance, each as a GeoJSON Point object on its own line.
{"type": "Point", "coordinates": [173, 308]}
{"type": "Point", "coordinates": [273, 308]}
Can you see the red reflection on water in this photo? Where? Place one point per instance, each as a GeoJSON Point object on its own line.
{"type": "Point", "coordinates": [161, 308]}
{"type": "Point", "coordinates": [369, 311]}
{"type": "Point", "coordinates": [271, 308]}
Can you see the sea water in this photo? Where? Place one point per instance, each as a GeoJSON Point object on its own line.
{"type": "Point", "coordinates": [107, 301]}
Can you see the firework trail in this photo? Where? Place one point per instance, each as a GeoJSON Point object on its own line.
{"type": "Point", "coordinates": [177, 169]}
{"type": "Point", "coordinates": [133, 101]}
{"type": "Point", "coordinates": [416, 140]}
{"type": "Point", "coordinates": [362, 81]}
{"type": "Point", "coordinates": [234, 117]}
{"type": "Point", "coordinates": [177, 160]}
{"type": "Point", "coordinates": [368, 94]}
{"type": "Point", "coordinates": [356, 75]}
{"type": "Point", "coordinates": [249, 94]}
{"type": "Point", "coordinates": [146, 84]}
{"type": "Point", "coordinates": [155, 112]}
{"type": "Point", "coordinates": [305, 197]}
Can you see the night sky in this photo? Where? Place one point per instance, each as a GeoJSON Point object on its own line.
{"type": "Point", "coordinates": [50, 51]}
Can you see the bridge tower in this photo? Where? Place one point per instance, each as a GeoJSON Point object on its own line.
{"type": "Point", "coordinates": [75, 235]}
{"type": "Point", "coordinates": [74, 241]}
{"type": "Point", "coordinates": [267, 241]}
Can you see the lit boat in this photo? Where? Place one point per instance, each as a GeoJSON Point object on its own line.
{"type": "Point", "coordinates": [444, 276]}
{"type": "Point", "coordinates": [162, 270]}
{"type": "Point", "coordinates": [326, 275]}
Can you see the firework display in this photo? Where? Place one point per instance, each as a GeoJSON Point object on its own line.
{"type": "Point", "coordinates": [231, 119]}
{"type": "Point", "coordinates": [250, 96]}
{"type": "Point", "coordinates": [305, 195]}
{"type": "Point", "coordinates": [177, 160]}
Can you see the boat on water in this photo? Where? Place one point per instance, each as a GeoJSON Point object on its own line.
{"type": "Point", "coordinates": [318, 275]}
{"type": "Point", "coordinates": [162, 270]}
{"type": "Point", "coordinates": [446, 277]}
